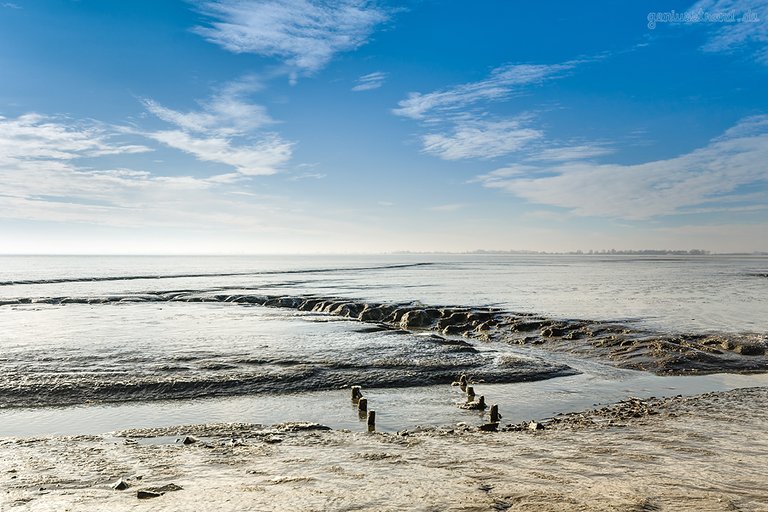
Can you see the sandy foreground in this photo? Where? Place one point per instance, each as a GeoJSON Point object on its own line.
{"type": "Point", "coordinates": [703, 453]}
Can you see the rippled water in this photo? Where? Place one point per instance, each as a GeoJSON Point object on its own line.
{"type": "Point", "coordinates": [74, 354]}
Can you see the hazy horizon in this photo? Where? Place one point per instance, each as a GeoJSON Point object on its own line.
{"type": "Point", "coordinates": [232, 127]}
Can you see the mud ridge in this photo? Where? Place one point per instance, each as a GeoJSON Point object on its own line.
{"type": "Point", "coordinates": [623, 346]}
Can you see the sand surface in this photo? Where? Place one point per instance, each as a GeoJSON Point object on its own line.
{"type": "Point", "coordinates": [702, 453]}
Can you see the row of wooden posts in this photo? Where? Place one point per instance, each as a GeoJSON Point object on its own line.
{"type": "Point", "coordinates": [362, 407]}
{"type": "Point", "coordinates": [463, 383]}
{"type": "Point", "coordinates": [478, 404]}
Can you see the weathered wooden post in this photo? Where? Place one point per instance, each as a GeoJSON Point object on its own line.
{"type": "Point", "coordinates": [495, 416]}
{"type": "Point", "coordinates": [357, 393]}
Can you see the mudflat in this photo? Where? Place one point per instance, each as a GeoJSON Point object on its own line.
{"type": "Point", "coordinates": [683, 453]}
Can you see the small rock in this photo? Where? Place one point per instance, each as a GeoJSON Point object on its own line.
{"type": "Point", "coordinates": [189, 440]}
{"type": "Point", "coordinates": [273, 440]}
{"type": "Point", "coordinates": [146, 494]}
{"type": "Point", "coordinates": [120, 485]}
{"type": "Point", "coordinates": [535, 425]}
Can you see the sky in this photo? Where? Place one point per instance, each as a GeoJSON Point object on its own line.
{"type": "Point", "coordinates": [352, 126]}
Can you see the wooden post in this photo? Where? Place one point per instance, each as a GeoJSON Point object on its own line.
{"type": "Point", "coordinates": [371, 419]}
{"type": "Point", "coordinates": [471, 393]}
{"type": "Point", "coordinates": [357, 393]}
{"type": "Point", "coordinates": [362, 405]}
{"type": "Point", "coordinates": [495, 416]}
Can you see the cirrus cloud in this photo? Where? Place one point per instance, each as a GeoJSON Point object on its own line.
{"type": "Point", "coordinates": [730, 170]}
{"type": "Point", "coordinates": [306, 34]}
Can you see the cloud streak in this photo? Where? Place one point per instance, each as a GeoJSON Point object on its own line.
{"type": "Point", "coordinates": [370, 81]}
{"type": "Point", "coordinates": [480, 139]}
{"type": "Point", "coordinates": [715, 174]}
{"type": "Point", "coordinates": [305, 34]}
{"type": "Point", "coordinates": [33, 137]}
{"type": "Point", "coordinates": [502, 83]}
{"type": "Point", "coordinates": [43, 178]}
{"type": "Point", "coordinates": [225, 130]}
{"type": "Point", "coordinates": [741, 34]}
{"type": "Point", "coordinates": [467, 131]}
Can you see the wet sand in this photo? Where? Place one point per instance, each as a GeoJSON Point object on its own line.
{"type": "Point", "coordinates": [696, 453]}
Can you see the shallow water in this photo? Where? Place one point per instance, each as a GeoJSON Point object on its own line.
{"type": "Point", "coordinates": [669, 293]}
{"type": "Point", "coordinates": [289, 364]}
{"type": "Point", "coordinates": [396, 408]}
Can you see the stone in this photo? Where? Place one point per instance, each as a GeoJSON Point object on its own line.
{"type": "Point", "coordinates": [143, 494]}
{"type": "Point", "coordinates": [120, 485]}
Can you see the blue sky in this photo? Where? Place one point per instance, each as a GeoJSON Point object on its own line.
{"type": "Point", "coordinates": [280, 126]}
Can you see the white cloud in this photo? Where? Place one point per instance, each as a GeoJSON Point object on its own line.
{"type": "Point", "coordinates": [42, 178]}
{"type": "Point", "coordinates": [466, 131]}
{"type": "Point", "coordinates": [223, 131]}
{"type": "Point", "coordinates": [447, 207]}
{"type": "Point", "coordinates": [308, 176]}
{"type": "Point", "coordinates": [226, 113]}
{"type": "Point", "coordinates": [370, 81]}
{"type": "Point", "coordinates": [480, 139]}
{"type": "Point", "coordinates": [500, 85]}
{"type": "Point", "coordinates": [706, 176]}
{"type": "Point", "coordinates": [260, 158]}
{"type": "Point", "coordinates": [33, 137]}
{"type": "Point", "coordinates": [304, 33]}
{"type": "Point", "coordinates": [731, 36]}
{"type": "Point", "coordinates": [570, 153]}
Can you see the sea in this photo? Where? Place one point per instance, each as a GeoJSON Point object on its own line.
{"type": "Point", "coordinates": [82, 350]}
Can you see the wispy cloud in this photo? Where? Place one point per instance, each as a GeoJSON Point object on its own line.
{"type": "Point", "coordinates": [262, 157]}
{"type": "Point", "coordinates": [503, 82]}
{"type": "Point", "coordinates": [50, 170]}
{"type": "Point", "coordinates": [225, 130]}
{"type": "Point", "coordinates": [749, 30]}
{"type": "Point", "coordinates": [370, 81]}
{"type": "Point", "coordinates": [452, 207]}
{"type": "Point", "coordinates": [33, 137]}
{"type": "Point", "coordinates": [570, 153]}
{"type": "Point", "coordinates": [458, 124]}
{"type": "Point", "coordinates": [11, 5]}
{"type": "Point", "coordinates": [305, 34]}
{"type": "Point", "coordinates": [480, 139]}
{"type": "Point", "coordinates": [226, 113]}
{"type": "Point", "coordinates": [720, 172]}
